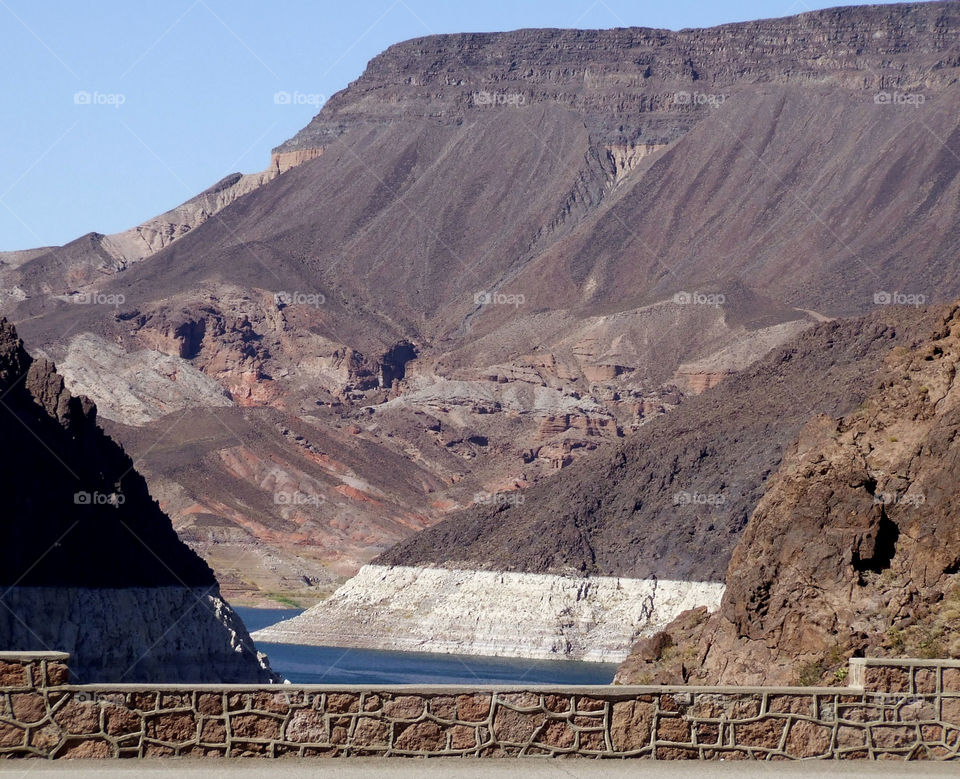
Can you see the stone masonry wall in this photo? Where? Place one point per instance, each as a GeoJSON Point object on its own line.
{"type": "Point", "coordinates": [905, 709]}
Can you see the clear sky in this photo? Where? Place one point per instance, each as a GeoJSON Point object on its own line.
{"type": "Point", "coordinates": [186, 88]}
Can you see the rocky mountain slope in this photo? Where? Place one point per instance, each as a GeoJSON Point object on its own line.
{"type": "Point", "coordinates": [672, 500]}
{"type": "Point", "coordinates": [88, 562]}
{"type": "Point", "coordinates": [853, 549]}
{"type": "Point", "coordinates": [494, 254]}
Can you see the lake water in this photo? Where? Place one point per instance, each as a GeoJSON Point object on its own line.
{"type": "Point", "coordinates": [337, 665]}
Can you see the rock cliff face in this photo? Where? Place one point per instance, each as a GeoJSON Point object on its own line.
{"type": "Point", "coordinates": [852, 551]}
{"type": "Point", "coordinates": [493, 613]}
{"type": "Point", "coordinates": [88, 562]}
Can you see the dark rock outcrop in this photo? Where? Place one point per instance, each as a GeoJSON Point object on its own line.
{"type": "Point", "coordinates": [853, 550]}
{"type": "Point", "coordinates": [89, 564]}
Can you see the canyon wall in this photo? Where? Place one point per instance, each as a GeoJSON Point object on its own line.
{"type": "Point", "coordinates": [493, 613]}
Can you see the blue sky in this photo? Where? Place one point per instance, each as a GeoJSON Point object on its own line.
{"type": "Point", "coordinates": [197, 78]}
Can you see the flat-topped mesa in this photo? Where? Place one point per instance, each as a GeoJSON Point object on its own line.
{"type": "Point", "coordinates": [89, 564]}
{"type": "Point", "coordinates": [640, 84]}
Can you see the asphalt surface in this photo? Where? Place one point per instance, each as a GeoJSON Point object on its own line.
{"type": "Point", "coordinates": [357, 768]}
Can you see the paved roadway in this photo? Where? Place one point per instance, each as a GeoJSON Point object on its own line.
{"type": "Point", "coordinates": [497, 768]}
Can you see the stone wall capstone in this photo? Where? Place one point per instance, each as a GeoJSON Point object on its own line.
{"type": "Point", "coordinates": [906, 709]}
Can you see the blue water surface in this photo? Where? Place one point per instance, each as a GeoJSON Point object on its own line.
{"type": "Point", "coordinates": [337, 665]}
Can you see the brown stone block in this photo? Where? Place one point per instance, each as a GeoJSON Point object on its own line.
{"type": "Point", "coordinates": [13, 675]}
{"type": "Point", "coordinates": [176, 700]}
{"type": "Point", "coordinates": [144, 701]}
{"type": "Point", "coordinates": [673, 729]}
{"type": "Point", "coordinates": [557, 734]}
{"type": "Point", "coordinates": [764, 732]}
{"type": "Point", "coordinates": [707, 733]}
{"type": "Point", "coordinates": [854, 754]}
{"type": "Point", "coordinates": [790, 704]}
{"type": "Point", "coordinates": [744, 708]}
{"type": "Point", "coordinates": [158, 750]}
{"type": "Point", "coordinates": [851, 736]}
{"type": "Point", "coordinates": [57, 674]}
{"type": "Point", "coordinates": [917, 710]}
{"type": "Point", "coordinates": [404, 707]}
{"type": "Point", "coordinates": [516, 726]}
{"type": "Point", "coordinates": [79, 719]}
{"type": "Point", "coordinates": [86, 748]}
{"type": "Point", "coordinates": [343, 703]}
{"type": "Point", "coordinates": [321, 752]}
{"type": "Point", "coordinates": [273, 702]}
{"type": "Point", "coordinates": [590, 704]}
{"type": "Point", "coordinates": [11, 735]}
{"type": "Point", "coordinates": [931, 732]}
{"type": "Point", "coordinates": [210, 703]}
{"type": "Point", "coordinates": [861, 713]}
{"type": "Point", "coordinates": [443, 706]}
{"type": "Point", "coordinates": [558, 704]}
{"type": "Point", "coordinates": [593, 741]}
{"type": "Point", "coordinates": [726, 754]}
{"type": "Point", "coordinates": [678, 753]}
{"type": "Point", "coordinates": [462, 737]}
{"type": "Point", "coordinates": [704, 707]}
{"type": "Point", "coordinates": [254, 726]}
{"type": "Point", "coordinates": [473, 708]}
{"type": "Point", "coordinates": [28, 706]}
{"type": "Point", "coordinates": [45, 737]}
{"type": "Point", "coordinates": [371, 732]}
{"type": "Point", "coordinates": [213, 731]}
{"type": "Point", "coordinates": [668, 703]}
{"type": "Point", "coordinates": [120, 721]}
{"type": "Point", "coordinates": [631, 725]}
{"type": "Point", "coordinates": [886, 678]}
{"type": "Point", "coordinates": [338, 735]}
{"type": "Point", "coordinates": [924, 680]}
{"type": "Point", "coordinates": [950, 710]}
{"type": "Point", "coordinates": [421, 737]}
{"type": "Point", "coordinates": [372, 702]}
{"type": "Point", "coordinates": [178, 727]}
{"type": "Point", "coordinates": [237, 701]}
{"type": "Point", "coordinates": [808, 739]}
{"type": "Point", "coordinates": [589, 721]}
{"type": "Point", "coordinates": [307, 726]}
{"type": "Point", "coordinates": [246, 749]}
{"type": "Point", "coordinates": [951, 679]}
{"type": "Point", "coordinates": [519, 700]}
{"type": "Point", "coordinates": [893, 736]}
{"type": "Point", "coordinates": [501, 750]}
